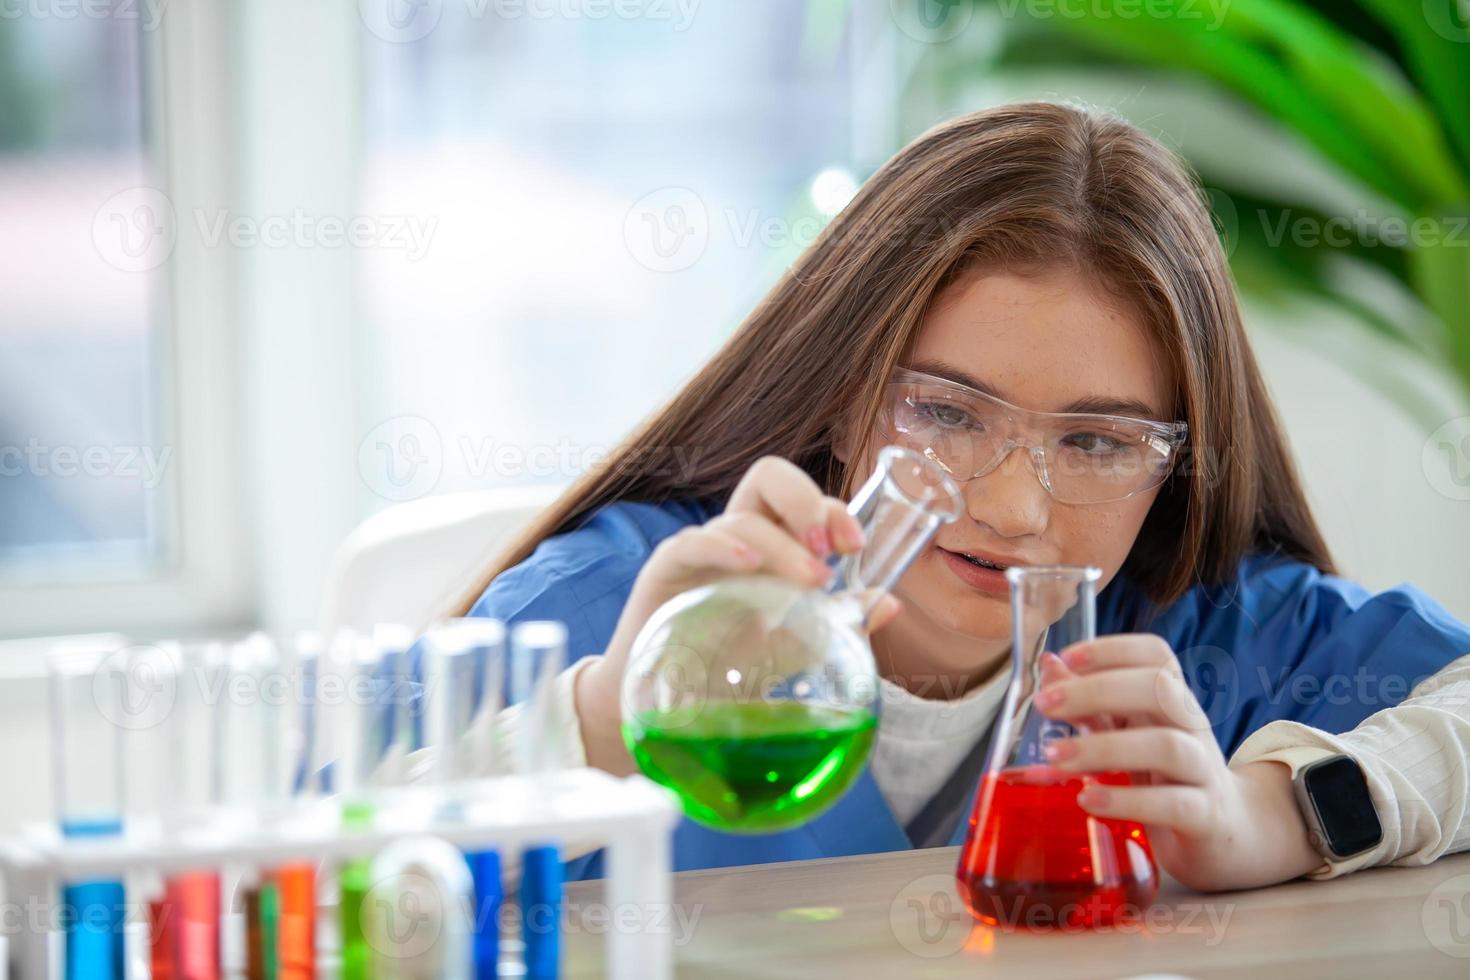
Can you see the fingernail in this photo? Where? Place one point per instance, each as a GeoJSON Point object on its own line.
{"type": "Point", "coordinates": [818, 541]}
{"type": "Point", "coordinates": [1049, 698]}
{"type": "Point", "coordinates": [1077, 657]}
{"type": "Point", "coordinates": [1093, 796]}
{"type": "Point", "coordinates": [748, 555]}
{"type": "Point", "coordinates": [852, 537]}
{"type": "Point", "coordinates": [1060, 751]}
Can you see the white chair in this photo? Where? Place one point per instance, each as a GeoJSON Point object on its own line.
{"type": "Point", "coordinates": [404, 564]}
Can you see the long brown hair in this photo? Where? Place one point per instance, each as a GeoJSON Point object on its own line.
{"type": "Point", "coordinates": [1019, 186]}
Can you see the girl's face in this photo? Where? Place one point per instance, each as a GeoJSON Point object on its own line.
{"type": "Point", "coordinates": [1048, 343]}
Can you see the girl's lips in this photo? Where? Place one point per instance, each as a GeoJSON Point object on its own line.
{"type": "Point", "coordinates": [991, 581]}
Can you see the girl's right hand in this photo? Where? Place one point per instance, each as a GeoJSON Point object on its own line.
{"type": "Point", "coordinates": [778, 522]}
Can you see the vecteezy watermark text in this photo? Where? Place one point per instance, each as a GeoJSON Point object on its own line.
{"type": "Point", "coordinates": [147, 464]}
{"type": "Point", "coordinates": [407, 21]}
{"type": "Point", "coordinates": [404, 457]}
{"type": "Point", "coordinates": [137, 229]}
{"type": "Point", "coordinates": [149, 13]}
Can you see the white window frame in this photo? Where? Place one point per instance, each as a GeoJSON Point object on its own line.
{"type": "Point", "coordinates": [255, 345]}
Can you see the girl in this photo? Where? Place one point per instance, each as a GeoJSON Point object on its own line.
{"type": "Point", "coordinates": [1035, 296]}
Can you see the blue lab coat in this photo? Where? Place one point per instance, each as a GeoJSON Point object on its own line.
{"type": "Point", "coordinates": [1279, 641]}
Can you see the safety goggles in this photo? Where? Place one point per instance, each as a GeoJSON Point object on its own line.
{"type": "Point", "coordinates": [1079, 458]}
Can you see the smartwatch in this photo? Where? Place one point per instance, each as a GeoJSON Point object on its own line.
{"type": "Point", "coordinates": [1337, 807]}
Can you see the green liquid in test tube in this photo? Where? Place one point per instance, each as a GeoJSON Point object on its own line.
{"type": "Point", "coordinates": [355, 882]}
{"type": "Point", "coordinates": [365, 732]}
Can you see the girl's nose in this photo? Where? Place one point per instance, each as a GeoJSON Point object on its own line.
{"type": "Point", "coordinates": [1010, 498]}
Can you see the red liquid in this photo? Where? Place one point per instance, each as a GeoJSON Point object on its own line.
{"type": "Point", "coordinates": [1035, 859]}
{"type": "Point", "coordinates": [163, 942]}
{"type": "Point", "coordinates": [195, 898]}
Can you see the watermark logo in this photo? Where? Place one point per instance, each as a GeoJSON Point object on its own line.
{"type": "Point", "coordinates": [401, 459]}
{"type": "Point", "coordinates": [403, 915]}
{"type": "Point", "coordinates": [932, 21]}
{"type": "Point", "coordinates": [1225, 217]}
{"type": "Point", "coordinates": [1215, 683]}
{"type": "Point", "coordinates": [135, 230]}
{"type": "Point", "coordinates": [1445, 459]}
{"type": "Point", "coordinates": [135, 688]}
{"type": "Point", "coordinates": [400, 21]}
{"type": "Point", "coordinates": [928, 919]}
{"type": "Point", "coordinates": [1445, 916]}
{"type": "Point", "coordinates": [1450, 19]}
{"type": "Point", "coordinates": [667, 230]}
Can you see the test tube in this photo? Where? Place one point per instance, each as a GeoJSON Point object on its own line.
{"type": "Point", "coordinates": [281, 905]}
{"type": "Point", "coordinates": [88, 699]}
{"type": "Point", "coordinates": [284, 910]}
{"type": "Point", "coordinates": [153, 685]}
{"type": "Point", "coordinates": [247, 729]}
{"type": "Point", "coordinates": [538, 654]}
{"type": "Point", "coordinates": [449, 687]}
{"type": "Point", "coordinates": [197, 772]}
{"type": "Point", "coordinates": [311, 752]}
{"type": "Point", "coordinates": [465, 670]}
{"type": "Point", "coordinates": [362, 738]}
{"type": "Point", "coordinates": [396, 694]}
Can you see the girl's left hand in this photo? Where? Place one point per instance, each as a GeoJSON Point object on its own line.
{"type": "Point", "coordinates": [1211, 827]}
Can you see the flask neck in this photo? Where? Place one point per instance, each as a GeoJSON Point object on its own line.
{"type": "Point", "coordinates": [1052, 607]}
{"type": "Point", "coordinates": [899, 508]}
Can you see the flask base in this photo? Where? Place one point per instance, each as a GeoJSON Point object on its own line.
{"type": "Point", "coordinates": [1047, 905]}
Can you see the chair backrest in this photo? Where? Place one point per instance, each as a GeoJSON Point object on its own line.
{"type": "Point", "coordinates": [402, 564]}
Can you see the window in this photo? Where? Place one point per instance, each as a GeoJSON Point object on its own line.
{"type": "Point", "coordinates": [84, 455]}
{"type": "Point", "coordinates": [119, 462]}
{"type": "Point", "coordinates": [589, 205]}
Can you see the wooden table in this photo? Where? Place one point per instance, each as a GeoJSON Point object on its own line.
{"type": "Point", "coordinates": [898, 915]}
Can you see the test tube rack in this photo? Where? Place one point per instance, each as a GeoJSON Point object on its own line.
{"type": "Point", "coordinates": [577, 809]}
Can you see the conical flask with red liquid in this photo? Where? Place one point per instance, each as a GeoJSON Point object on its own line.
{"type": "Point", "coordinates": [1033, 858]}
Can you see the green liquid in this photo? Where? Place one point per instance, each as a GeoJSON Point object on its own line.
{"type": "Point", "coordinates": [355, 880]}
{"type": "Point", "coordinates": [754, 768]}
{"type": "Point", "coordinates": [270, 921]}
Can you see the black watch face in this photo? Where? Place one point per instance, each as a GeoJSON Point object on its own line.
{"type": "Point", "coordinates": [1344, 806]}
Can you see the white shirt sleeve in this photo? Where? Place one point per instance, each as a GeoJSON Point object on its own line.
{"type": "Point", "coordinates": [1415, 757]}
{"type": "Point", "coordinates": [566, 750]}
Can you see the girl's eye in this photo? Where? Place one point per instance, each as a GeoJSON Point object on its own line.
{"type": "Point", "coordinates": [946, 414]}
{"type": "Point", "coordinates": [1093, 443]}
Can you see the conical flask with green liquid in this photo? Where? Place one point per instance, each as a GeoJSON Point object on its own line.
{"type": "Point", "coordinates": [754, 698]}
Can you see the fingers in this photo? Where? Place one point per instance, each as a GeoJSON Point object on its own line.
{"type": "Point", "coordinates": [1184, 809]}
{"type": "Point", "coordinates": [1167, 752]}
{"type": "Point", "coordinates": [741, 543]}
{"type": "Point", "coordinates": [1120, 650]}
{"type": "Point", "coordinates": [1053, 669]}
{"type": "Point", "coordinates": [783, 493]}
{"type": "Point", "coordinates": [1158, 695]}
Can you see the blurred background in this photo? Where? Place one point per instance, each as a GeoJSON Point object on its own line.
{"type": "Point", "coordinates": [270, 268]}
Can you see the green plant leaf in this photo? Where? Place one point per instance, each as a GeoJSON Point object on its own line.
{"type": "Point", "coordinates": [1293, 65]}
{"type": "Point", "coordinates": [1437, 48]}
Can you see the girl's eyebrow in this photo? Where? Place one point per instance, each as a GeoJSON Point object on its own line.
{"type": "Point", "coordinates": [1092, 404]}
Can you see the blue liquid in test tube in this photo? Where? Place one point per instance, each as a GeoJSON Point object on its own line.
{"type": "Point", "coordinates": [538, 654]}
{"type": "Point", "coordinates": [90, 701]}
{"type": "Point", "coordinates": [464, 662]}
